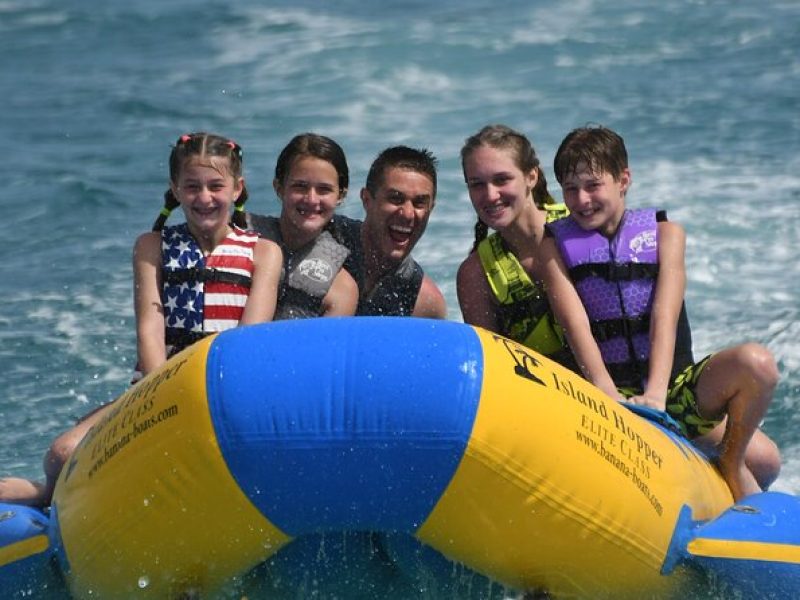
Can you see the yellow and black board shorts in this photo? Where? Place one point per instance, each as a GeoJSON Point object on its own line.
{"type": "Point", "coordinates": [682, 403]}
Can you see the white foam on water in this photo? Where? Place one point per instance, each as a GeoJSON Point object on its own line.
{"type": "Point", "coordinates": [282, 41]}
{"type": "Point", "coordinates": [697, 100]}
{"type": "Point", "coordinates": [7, 6]}
{"type": "Point", "coordinates": [789, 480]}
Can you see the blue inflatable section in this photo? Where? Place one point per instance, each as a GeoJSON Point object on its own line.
{"type": "Point", "coordinates": [768, 518]}
{"type": "Point", "coordinates": [298, 446]}
{"type": "Point", "coordinates": [19, 524]}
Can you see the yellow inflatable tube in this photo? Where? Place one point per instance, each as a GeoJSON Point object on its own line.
{"type": "Point", "coordinates": [489, 453]}
{"type": "Point", "coordinates": [170, 519]}
{"type": "Point", "coordinates": [584, 494]}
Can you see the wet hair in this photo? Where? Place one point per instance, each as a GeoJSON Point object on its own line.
{"type": "Point", "coordinates": [600, 148]}
{"type": "Point", "coordinates": [502, 137]}
{"type": "Point", "coordinates": [401, 157]}
{"type": "Point", "coordinates": [205, 146]}
{"type": "Point", "coordinates": [315, 146]}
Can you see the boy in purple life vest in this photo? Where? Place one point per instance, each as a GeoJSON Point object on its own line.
{"type": "Point", "coordinates": [616, 280]}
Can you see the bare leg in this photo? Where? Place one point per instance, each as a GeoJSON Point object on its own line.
{"type": "Point", "coordinates": [738, 381]}
{"type": "Point", "coordinates": [22, 491]}
{"type": "Point", "coordinates": [33, 493]}
{"type": "Point", "coordinates": [762, 456]}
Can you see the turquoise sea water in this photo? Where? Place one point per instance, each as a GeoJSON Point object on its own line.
{"type": "Point", "coordinates": [704, 92]}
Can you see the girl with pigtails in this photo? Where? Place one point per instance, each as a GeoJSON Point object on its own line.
{"type": "Point", "coordinates": [190, 280]}
{"type": "Point", "coordinates": [209, 273]}
{"type": "Point", "coordinates": [499, 283]}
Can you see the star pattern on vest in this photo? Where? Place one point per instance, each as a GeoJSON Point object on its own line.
{"type": "Point", "coordinates": [183, 303]}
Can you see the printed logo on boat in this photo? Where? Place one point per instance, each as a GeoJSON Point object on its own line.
{"type": "Point", "coordinates": [524, 361]}
{"type": "Point", "coordinates": [604, 428]}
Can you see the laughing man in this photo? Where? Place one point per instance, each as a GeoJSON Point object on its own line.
{"type": "Point", "coordinates": [398, 198]}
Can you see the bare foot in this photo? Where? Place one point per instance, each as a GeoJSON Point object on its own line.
{"type": "Point", "coordinates": [739, 479]}
{"type": "Point", "coordinates": [16, 490]}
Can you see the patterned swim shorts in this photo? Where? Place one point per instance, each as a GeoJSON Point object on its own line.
{"type": "Point", "coordinates": [682, 404]}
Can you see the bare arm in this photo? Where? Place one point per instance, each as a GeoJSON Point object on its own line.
{"type": "Point", "coordinates": [670, 288]}
{"type": "Point", "coordinates": [571, 314]}
{"type": "Point", "coordinates": [149, 310]}
{"type": "Point", "coordinates": [263, 296]}
{"type": "Point", "coordinates": [475, 298]}
{"type": "Point", "coordinates": [430, 302]}
{"type": "Point", "coordinates": [342, 298]}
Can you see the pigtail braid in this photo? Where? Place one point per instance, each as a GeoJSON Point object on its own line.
{"type": "Point", "coordinates": [481, 231]}
{"type": "Point", "coordinates": [170, 204]}
{"type": "Point", "coordinates": [541, 197]}
{"type": "Point", "coordinates": [239, 215]}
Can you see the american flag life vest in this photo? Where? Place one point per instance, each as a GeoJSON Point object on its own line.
{"type": "Point", "coordinates": [203, 294]}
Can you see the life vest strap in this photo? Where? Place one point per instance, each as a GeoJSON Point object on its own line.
{"type": "Point", "coordinates": [611, 328]}
{"type": "Point", "coordinates": [206, 275]}
{"type": "Point", "coordinates": [179, 339]}
{"type": "Point", "coordinates": [627, 374]}
{"type": "Point", "coordinates": [614, 272]}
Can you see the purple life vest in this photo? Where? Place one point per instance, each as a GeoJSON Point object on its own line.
{"type": "Point", "coordinates": [615, 280]}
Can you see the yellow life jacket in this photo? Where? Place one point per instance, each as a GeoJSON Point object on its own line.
{"type": "Point", "coordinates": [524, 313]}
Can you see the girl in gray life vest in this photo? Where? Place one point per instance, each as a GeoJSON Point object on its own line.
{"type": "Point", "coordinates": [311, 180]}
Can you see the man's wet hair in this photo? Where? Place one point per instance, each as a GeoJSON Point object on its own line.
{"type": "Point", "coordinates": [401, 157]}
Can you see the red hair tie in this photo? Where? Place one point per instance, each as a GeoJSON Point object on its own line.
{"type": "Point", "coordinates": [185, 138]}
{"type": "Point", "coordinates": [235, 148]}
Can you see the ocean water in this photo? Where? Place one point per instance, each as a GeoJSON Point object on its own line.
{"type": "Point", "coordinates": [705, 93]}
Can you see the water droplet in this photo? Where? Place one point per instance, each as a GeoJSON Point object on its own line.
{"type": "Point", "coordinates": [144, 581]}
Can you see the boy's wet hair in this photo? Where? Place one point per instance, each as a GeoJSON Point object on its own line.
{"type": "Point", "coordinates": [502, 137]}
{"type": "Point", "coordinates": [401, 157]}
{"type": "Point", "coordinates": [600, 148]}
{"type": "Point", "coordinates": [203, 145]}
{"type": "Point", "coordinates": [315, 146]}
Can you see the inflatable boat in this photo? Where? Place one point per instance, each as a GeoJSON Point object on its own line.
{"type": "Point", "coordinates": [480, 449]}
